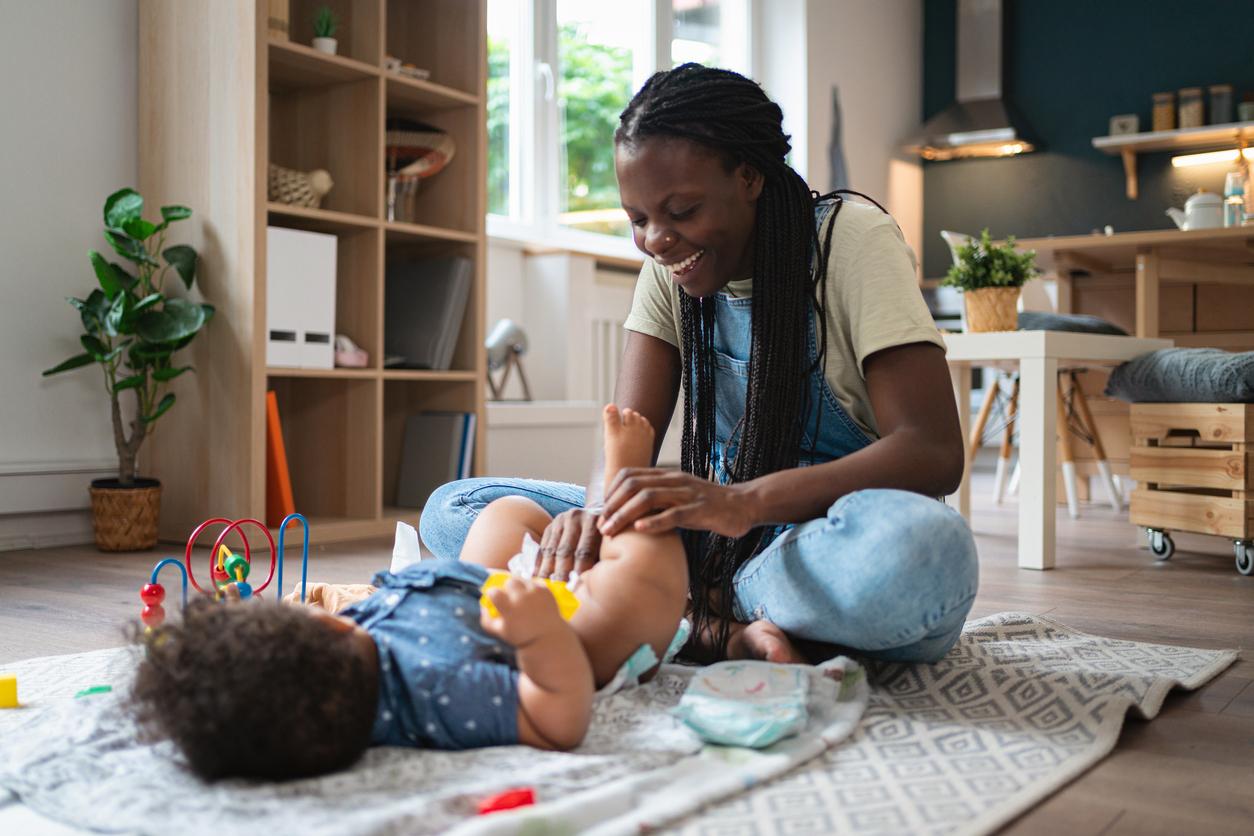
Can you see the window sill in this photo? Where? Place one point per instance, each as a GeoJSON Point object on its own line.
{"type": "Point", "coordinates": [609, 252]}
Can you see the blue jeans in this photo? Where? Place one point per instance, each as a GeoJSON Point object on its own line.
{"type": "Point", "coordinates": [888, 574]}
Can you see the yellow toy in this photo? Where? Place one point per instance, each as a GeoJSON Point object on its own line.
{"type": "Point", "coordinates": [8, 691]}
{"type": "Point", "coordinates": [567, 603]}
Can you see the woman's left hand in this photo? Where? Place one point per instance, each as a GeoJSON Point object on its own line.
{"type": "Point", "coordinates": [653, 500]}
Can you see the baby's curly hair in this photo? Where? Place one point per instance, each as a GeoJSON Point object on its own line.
{"type": "Point", "coordinates": [256, 690]}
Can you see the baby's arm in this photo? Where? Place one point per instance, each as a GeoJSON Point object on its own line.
{"type": "Point", "coordinates": [555, 678]}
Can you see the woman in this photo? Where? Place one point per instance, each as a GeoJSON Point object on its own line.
{"type": "Point", "coordinates": [818, 417]}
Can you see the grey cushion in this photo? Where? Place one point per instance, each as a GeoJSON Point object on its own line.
{"type": "Point", "coordinates": [1041, 321]}
{"type": "Point", "coordinates": [1185, 375]}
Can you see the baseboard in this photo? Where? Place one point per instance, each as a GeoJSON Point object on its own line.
{"type": "Point", "coordinates": [45, 530]}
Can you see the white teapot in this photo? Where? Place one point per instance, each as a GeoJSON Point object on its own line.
{"type": "Point", "coordinates": [1204, 210]}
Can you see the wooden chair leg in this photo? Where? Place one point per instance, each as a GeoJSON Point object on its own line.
{"type": "Point", "coordinates": [1064, 454]}
{"type": "Point", "coordinates": [981, 419]}
{"type": "Point", "coordinates": [1003, 455]}
{"type": "Point", "coordinates": [1113, 494]}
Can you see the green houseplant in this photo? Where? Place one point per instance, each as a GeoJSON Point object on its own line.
{"type": "Point", "coordinates": [132, 331]}
{"type": "Point", "coordinates": [325, 25]}
{"type": "Point", "coordinates": [990, 276]}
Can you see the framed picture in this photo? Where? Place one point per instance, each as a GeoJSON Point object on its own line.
{"type": "Point", "coordinates": [1124, 123]}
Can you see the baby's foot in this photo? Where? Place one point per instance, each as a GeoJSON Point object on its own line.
{"type": "Point", "coordinates": [628, 441]}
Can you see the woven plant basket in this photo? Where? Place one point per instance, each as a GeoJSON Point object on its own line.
{"type": "Point", "coordinates": [125, 519]}
{"type": "Point", "coordinates": [992, 309]}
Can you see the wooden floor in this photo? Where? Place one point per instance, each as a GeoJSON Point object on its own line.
{"type": "Point", "coordinates": [1191, 770]}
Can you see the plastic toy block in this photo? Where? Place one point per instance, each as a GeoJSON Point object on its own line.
{"type": "Point", "coordinates": [8, 691]}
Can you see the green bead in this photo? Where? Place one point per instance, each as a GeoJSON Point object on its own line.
{"type": "Point", "coordinates": [236, 563]}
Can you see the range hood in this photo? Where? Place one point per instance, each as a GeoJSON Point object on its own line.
{"type": "Point", "coordinates": [980, 123]}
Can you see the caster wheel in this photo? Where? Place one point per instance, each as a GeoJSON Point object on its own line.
{"type": "Point", "coordinates": [1244, 550]}
{"type": "Point", "coordinates": [1160, 543]}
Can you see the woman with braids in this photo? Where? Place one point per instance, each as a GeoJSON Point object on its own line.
{"type": "Point", "coordinates": [818, 418]}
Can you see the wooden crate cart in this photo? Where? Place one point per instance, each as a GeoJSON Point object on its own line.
{"type": "Point", "coordinates": [1192, 464]}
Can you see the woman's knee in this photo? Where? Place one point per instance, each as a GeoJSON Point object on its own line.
{"type": "Point", "coordinates": [447, 516]}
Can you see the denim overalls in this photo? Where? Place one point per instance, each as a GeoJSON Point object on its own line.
{"type": "Point", "coordinates": [887, 573]}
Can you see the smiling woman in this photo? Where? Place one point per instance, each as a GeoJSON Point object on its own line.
{"type": "Point", "coordinates": [818, 417]}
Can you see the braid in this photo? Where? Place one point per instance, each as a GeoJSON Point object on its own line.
{"type": "Point", "coordinates": [730, 114]}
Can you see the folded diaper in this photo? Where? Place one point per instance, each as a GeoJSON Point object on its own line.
{"type": "Point", "coordinates": [751, 703]}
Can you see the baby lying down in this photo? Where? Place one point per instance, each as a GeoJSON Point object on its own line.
{"type": "Point", "coordinates": [279, 692]}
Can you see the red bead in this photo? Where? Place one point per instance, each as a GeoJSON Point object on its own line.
{"type": "Point", "coordinates": [152, 594]}
{"type": "Point", "coordinates": [221, 578]}
{"type": "Point", "coordinates": [508, 800]}
{"type": "Point", "coordinates": [153, 615]}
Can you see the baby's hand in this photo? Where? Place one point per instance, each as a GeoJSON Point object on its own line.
{"type": "Point", "coordinates": [527, 611]}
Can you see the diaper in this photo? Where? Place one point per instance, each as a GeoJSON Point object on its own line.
{"type": "Point", "coordinates": [751, 703]}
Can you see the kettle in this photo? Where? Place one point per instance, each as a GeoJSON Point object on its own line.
{"type": "Point", "coordinates": [1204, 210]}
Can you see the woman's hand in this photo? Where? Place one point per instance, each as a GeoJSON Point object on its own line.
{"type": "Point", "coordinates": [571, 541]}
{"type": "Point", "coordinates": [653, 501]}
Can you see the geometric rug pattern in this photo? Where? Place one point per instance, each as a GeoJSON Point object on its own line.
{"type": "Point", "coordinates": [1018, 708]}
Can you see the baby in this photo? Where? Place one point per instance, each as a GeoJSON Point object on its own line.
{"type": "Point", "coordinates": [279, 692]}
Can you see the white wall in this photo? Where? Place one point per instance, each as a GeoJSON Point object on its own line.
{"type": "Point", "coordinates": [68, 94]}
{"type": "Point", "coordinates": [872, 51]}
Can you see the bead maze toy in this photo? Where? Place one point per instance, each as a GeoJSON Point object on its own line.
{"type": "Point", "coordinates": [225, 567]}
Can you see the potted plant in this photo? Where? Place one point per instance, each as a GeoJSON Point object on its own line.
{"type": "Point", "coordinates": [990, 277]}
{"type": "Point", "coordinates": [325, 26]}
{"type": "Point", "coordinates": [132, 330]}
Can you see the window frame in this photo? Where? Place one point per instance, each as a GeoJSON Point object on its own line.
{"type": "Point", "coordinates": [535, 127]}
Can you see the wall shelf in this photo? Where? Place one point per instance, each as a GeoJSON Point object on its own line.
{"type": "Point", "coordinates": [294, 66]}
{"type": "Point", "coordinates": [1206, 138]}
{"type": "Point", "coordinates": [318, 220]}
{"type": "Point", "coordinates": [414, 94]}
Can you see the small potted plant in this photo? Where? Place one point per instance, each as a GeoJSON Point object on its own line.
{"type": "Point", "coordinates": [132, 330]}
{"type": "Point", "coordinates": [990, 277]}
{"type": "Point", "coordinates": [325, 26]}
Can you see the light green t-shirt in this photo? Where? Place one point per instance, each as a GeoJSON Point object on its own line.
{"type": "Point", "coordinates": [873, 303]}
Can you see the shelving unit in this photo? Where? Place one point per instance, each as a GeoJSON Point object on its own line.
{"type": "Point", "coordinates": [1207, 138]}
{"type": "Point", "coordinates": [219, 101]}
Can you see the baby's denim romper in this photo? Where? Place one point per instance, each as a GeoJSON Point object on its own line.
{"type": "Point", "coordinates": [444, 683]}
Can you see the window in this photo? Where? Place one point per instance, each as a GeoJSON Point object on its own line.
{"type": "Point", "coordinates": [559, 73]}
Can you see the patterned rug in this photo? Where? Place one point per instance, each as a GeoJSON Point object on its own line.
{"type": "Point", "coordinates": [1019, 708]}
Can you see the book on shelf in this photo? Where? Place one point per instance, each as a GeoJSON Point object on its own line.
{"type": "Point", "coordinates": [437, 448]}
{"type": "Point", "coordinates": [279, 500]}
{"type": "Point", "coordinates": [425, 306]}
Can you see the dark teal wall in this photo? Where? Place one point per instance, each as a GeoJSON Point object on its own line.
{"type": "Point", "coordinates": [1070, 66]}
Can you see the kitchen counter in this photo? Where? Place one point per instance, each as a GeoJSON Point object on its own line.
{"type": "Point", "coordinates": [1160, 259]}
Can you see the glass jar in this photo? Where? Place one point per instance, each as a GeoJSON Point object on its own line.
{"type": "Point", "coordinates": [1164, 111]}
{"type": "Point", "coordinates": [1192, 108]}
{"type": "Point", "coordinates": [1220, 104]}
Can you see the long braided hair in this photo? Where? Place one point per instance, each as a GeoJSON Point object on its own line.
{"type": "Point", "coordinates": [730, 114]}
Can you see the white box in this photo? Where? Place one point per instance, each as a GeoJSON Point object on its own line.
{"type": "Point", "coordinates": [300, 298]}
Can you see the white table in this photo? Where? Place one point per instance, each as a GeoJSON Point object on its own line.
{"type": "Point", "coordinates": [1037, 355]}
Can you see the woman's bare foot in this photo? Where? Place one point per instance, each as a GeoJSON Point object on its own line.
{"type": "Point", "coordinates": [762, 640]}
{"type": "Point", "coordinates": [628, 441]}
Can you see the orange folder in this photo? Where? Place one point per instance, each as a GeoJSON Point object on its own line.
{"type": "Point", "coordinates": [279, 502]}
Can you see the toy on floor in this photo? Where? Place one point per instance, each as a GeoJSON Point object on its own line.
{"type": "Point", "coordinates": [225, 567]}
{"type": "Point", "coordinates": [508, 800]}
{"type": "Point", "coordinates": [8, 691]}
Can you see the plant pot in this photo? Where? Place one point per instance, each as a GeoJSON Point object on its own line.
{"type": "Point", "coordinates": [992, 309]}
{"type": "Point", "coordinates": [125, 518]}
{"type": "Point", "coordinates": [326, 45]}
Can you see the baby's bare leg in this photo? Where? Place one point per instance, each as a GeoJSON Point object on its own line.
{"type": "Point", "coordinates": [497, 533]}
{"type": "Point", "coordinates": [637, 591]}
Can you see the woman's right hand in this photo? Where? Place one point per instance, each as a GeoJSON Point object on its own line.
{"type": "Point", "coordinates": [571, 541]}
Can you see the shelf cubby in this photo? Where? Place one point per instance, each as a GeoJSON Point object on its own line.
{"type": "Point", "coordinates": [360, 22]}
{"type": "Point", "coordinates": [440, 201]}
{"type": "Point", "coordinates": [332, 452]}
{"type": "Point", "coordinates": [334, 128]}
{"type": "Point", "coordinates": [402, 398]}
{"type": "Point", "coordinates": [295, 66]}
{"type": "Point", "coordinates": [469, 336]}
{"type": "Point", "coordinates": [434, 35]}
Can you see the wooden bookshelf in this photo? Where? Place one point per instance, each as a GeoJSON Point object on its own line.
{"type": "Point", "coordinates": [219, 101]}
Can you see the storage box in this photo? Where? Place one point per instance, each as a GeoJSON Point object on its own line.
{"type": "Point", "coordinates": [300, 298]}
{"type": "Point", "coordinates": [1192, 464]}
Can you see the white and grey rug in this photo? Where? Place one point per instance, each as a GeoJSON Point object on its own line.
{"type": "Point", "coordinates": [1021, 706]}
